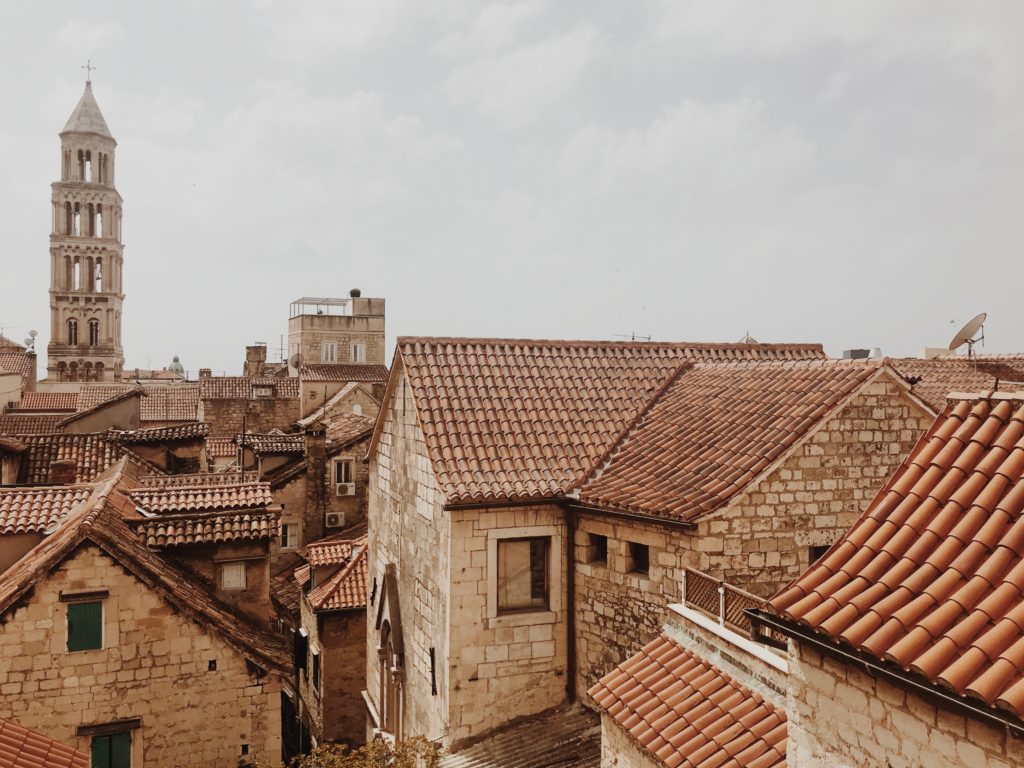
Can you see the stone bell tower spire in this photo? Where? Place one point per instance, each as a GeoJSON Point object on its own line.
{"type": "Point", "coordinates": [86, 254]}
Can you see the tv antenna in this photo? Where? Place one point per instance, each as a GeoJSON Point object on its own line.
{"type": "Point", "coordinates": [969, 334]}
{"type": "Point", "coordinates": [631, 336]}
{"type": "Point", "coordinates": [30, 342]}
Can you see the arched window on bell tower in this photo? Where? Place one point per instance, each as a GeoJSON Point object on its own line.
{"type": "Point", "coordinates": [98, 277]}
{"type": "Point", "coordinates": [73, 332]}
{"type": "Point", "coordinates": [94, 332]}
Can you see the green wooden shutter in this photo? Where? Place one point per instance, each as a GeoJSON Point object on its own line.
{"type": "Point", "coordinates": [101, 752]}
{"type": "Point", "coordinates": [85, 626]}
{"type": "Point", "coordinates": [121, 750]}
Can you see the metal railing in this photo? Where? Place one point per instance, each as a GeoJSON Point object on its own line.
{"type": "Point", "coordinates": [719, 600]}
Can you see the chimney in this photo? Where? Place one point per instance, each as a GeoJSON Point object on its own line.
{"type": "Point", "coordinates": [255, 360]}
{"type": "Point", "coordinates": [63, 472]}
{"type": "Point", "coordinates": [317, 500]}
{"type": "Point", "coordinates": [204, 373]}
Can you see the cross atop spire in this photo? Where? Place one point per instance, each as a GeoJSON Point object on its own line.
{"type": "Point", "coordinates": [88, 67]}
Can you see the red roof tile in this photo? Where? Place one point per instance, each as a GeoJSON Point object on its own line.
{"type": "Point", "coordinates": [344, 590]}
{"type": "Point", "coordinates": [30, 423]}
{"type": "Point", "coordinates": [275, 442]}
{"type": "Point", "coordinates": [48, 401]}
{"type": "Point", "coordinates": [246, 387]}
{"type": "Point", "coordinates": [171, 402]}
{"type": "Point", "coordinates": [344, 428]}
{"type": "Point", "coordinates": [376, 374]}
{"type": "Point", "coordinates": [37, 510]}
{"type": "Point", "coordinates": [199, 480]}
{"type": "Point", "coordinates": [22, 748]}
{"type": "Point", "coordinates": [930, 577]}
{"type": "Point", "coordinates": [683, 711]}
{"type": "Point", "coordinates": [196, 430]}
{"type": "Point", "coordinates": [20, 363]}
{"type": "Point", "coordinates": [716, 429]}
{"type": "Point", "coordinates": [933, 380]}
{"type": "Point", "coordinates": [10, 345]}
{"type": "Point", "coordinates": [91, 453]}
{"type": "Point", "coordinates": [207, 528]}
{"type": "Point", "coordinates": [172, 499]}
{"type": "Point", "coordinates": [219, 447]}
{"type": "Point", "coordinates": [337, 548]}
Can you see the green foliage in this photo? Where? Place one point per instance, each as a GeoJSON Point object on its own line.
{"type": "Point", "coordinates": [411, 753]}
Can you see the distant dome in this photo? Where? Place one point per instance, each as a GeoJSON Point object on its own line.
{"type": "Point", "coordinates": [748, 339]}
{"type": "Point", "coordinates": [176, 366]}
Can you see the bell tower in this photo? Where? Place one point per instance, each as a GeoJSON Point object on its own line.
{"type": "Point", "coordinates": [86, 254]}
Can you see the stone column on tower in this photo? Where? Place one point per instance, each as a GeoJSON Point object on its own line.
{"type": "Point", "coordinates": [86, 253]}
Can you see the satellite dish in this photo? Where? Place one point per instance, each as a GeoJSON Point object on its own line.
{"type": "Point", "coordinates": [966, 334]}
{"type": "Point", "coordinates": [33, 334]}
{"type": "Point", "coordinates": [295, 361]}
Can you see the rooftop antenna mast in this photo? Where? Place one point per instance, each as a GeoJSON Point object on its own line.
{"type": "Point", "coordinates": [631, 336]}
{"type": "Point", "coordinates": [969, 335]}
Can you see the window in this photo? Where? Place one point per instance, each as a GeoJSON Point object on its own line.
{"type": "Point", "coordinates": [112, 751]}
{"type": "Point", "coordinates": [94, 332]}
{"type": "Point", "coordinates": [289, 535]}
{"type": "Point", "coordinates": [598, 549]}
{"type": "Point", "coordinates": [357, 409]}
{"type": "Point", "coordinates": [358, 353]}
{"type": "Point", "coordinates": [232, 575]}
{"type": "Point", "coordinates": [316, 671]}
{"type": "Point", "coordinates": [262, 390]}
{"type": "Point", "coordinates": [329, 352]}
{"type": "Point", "coordinates": [523, 574]}
{"type": "Point", "coordinates": [639, 557]}
{"type": "Point", "coordinates": [343, 471]}
{"type": "Point", "coordinates": [815, 553]}
{"type": "Point", "coordinates": [72, 332]}
{"type": "Point", "coordinates": [85, 626]}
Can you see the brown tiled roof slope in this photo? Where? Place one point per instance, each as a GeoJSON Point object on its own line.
{"type": "Point", "coordinates": [683, 711]}
{"type": "Point", "coordinates": [337, 548]}
{"type": "Point", "coordinates": [272, 443]}
{"type": "Point", "coordinates": [934, 379]}
{"type": "Point", "coordinates": [172, 499]}
{"type": "Point", "coordinates": [22, 748]}
{"type": "Point", "coordinates": [219, 447]}
{"type": "Point", "coordinates": [199, 480]}
{"type": "Point", "coordinates": [375, 374]}
{"type": "Point", "coordinates": [196, 430]}
{"type": "Point", "coordinates": [20, 363]}
{"type": "Point", "coordinates": [91, 453]}
{"type": "Point", "coordinates": [48, 401]}
{"type": "Point", "coordinates": [243, 387]}
{"type": "Point", "coordinates": [207, 528]}
{"type": "Point", "coordinates": [30, 423]}
{"type": "Point", "coordinates": [101, 520]}
{"type": "Point", "coordinates": [514, 419]}
{"type": "Point", "coordinates": [716, 429]}
{"type": "Point", "coordinates": [10, 345]}
{"type": "Point", "coordinates": [346, 427]}
{"type": "Point", "coordinates": [37, 510]}
{"type": "Point", "coordinates": [171, 402]}
{"type": "Point", "coordinates": [346, 589]}
{"type": "Point", "coordinates": [931, 577]}
{"type": "Point", "coordinates": [284, 584]}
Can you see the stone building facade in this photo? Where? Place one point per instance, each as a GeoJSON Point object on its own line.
{"type": "Point", "coordinates": [333, 331]}
{"type": "Point", "coordinates": [233, 404]}
{"type": "Point", "coordinates": [86, 255]}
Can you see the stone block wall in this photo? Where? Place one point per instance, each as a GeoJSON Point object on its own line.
{"type": "Point", "coordinates": [312, 699]}
{"type": "Point", "coordinates": [260, 414]}
{"type": "Point", "coordinates": [410, 529]}
{"type": "Point", "coordinates": [343, 637]}
{"type": "Point", "coordinates": [154, 665]}
{"type": "Point", "coordinates": [842, 717]}
{"type": "Point", "coordinates": [503, 666]}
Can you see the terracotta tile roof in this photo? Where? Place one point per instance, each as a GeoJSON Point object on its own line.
{"type": "Point", "coordinates": [345, 428]}
{"type": "Point", "coordinates": [244, 387]}
{"type": "Point", "coordinates": [284, 586]}
{"type": "Point", "coordinates": [346, 589]}
{"type": "Point", "coordinates": [272, 443]}
{"type": "Point", "coordinates": [934, 379]}
{"type": "Point", "coordinates": [171, 402]}
{"type": "Point", "coordinates": [101, 521]}
{"type": "Point", "coordinates": [172, 499]}
{"type": "Point", "coordinates": [376, 374]}
{"type": "Point", "coordinates": [207, 528]}
{"type": "Point", "coordinates": [515, 419]}
{"type": "Point", "coordinates": [10, 345]}
{"type": "Point", "coordinates": [91, 453]}
{"type": "Point", "coordinates": [22, 748]}
{"type": "Point", "coordinates": [127, 395]}
{"type": "Point", "coordinates": [219, 447]}
{"type": "Point", "coordinates": [337, 548]}
{"type": "Point", "coordinates": [716, 429]}
{"type": "Point", "coordinates": [566, 738]}
{"type": "Point", "coordinates": [30, 423]}
{"type": "Point", "coordinates": [931, 577]}
{"type": "Point", "coordinates": [196, 430]}
{"type": "Point", "coordinates": [20, 363]}
{"type": "Point", "coordinates": [683, 711]}
{"type": "Point", "coordinates": [199, 480]}
{"type": "Point", "coordinates": [48, 401]}
{"type": "Point", "coordinates": [37, 510]}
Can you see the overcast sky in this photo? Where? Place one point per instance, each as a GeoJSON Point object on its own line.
{"type": "Point", "coordinates": [846, 173]}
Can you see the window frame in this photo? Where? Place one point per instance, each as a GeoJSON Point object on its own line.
{"type": "Point", "coordinates": [358, 352]}
{"type": "Point", "coordinates": [595, 549]}
{"type": "Point", "coordinates": [317, 672]}
{"type": "Point", "coordinates": [234, 564]}
{"type": "Point", "coordinates": [76, 606]}
{"type": "Point", "coordinates": [632, 548]}
{"type": "Point", "coordinates": [328, 352]}
{"type": "Point", "coordinates": [556, 576]}
{"type": "Point", "coordinates": [110, 739]}
{"type": "Point", "coordinates": [289, 533]}
{"type": "Point", "coordinates": [545, 541]}
{"type": "Point", "coordinates": [351, 470]}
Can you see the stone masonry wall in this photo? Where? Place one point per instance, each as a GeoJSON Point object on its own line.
{"type": "Point", "coordinates": [841, 717]}
{"type": "Point", "coordinates": [409, 529]}
{"type": "Point", "coordinates": [762, 541]}
{"type": "Point", "coordinates": [343, 637]}
{"type": "Point", "coordinates": [154, 666]}
{"type": "Point", "coordinates": [260, 415]}
{"type": "Point", "coordinates": [503, 666]}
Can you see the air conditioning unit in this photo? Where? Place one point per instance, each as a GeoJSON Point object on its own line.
{"type": "Point", "coordinates": [344, 489]}
{"type": "Point", "coordinates": [334, 520]}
